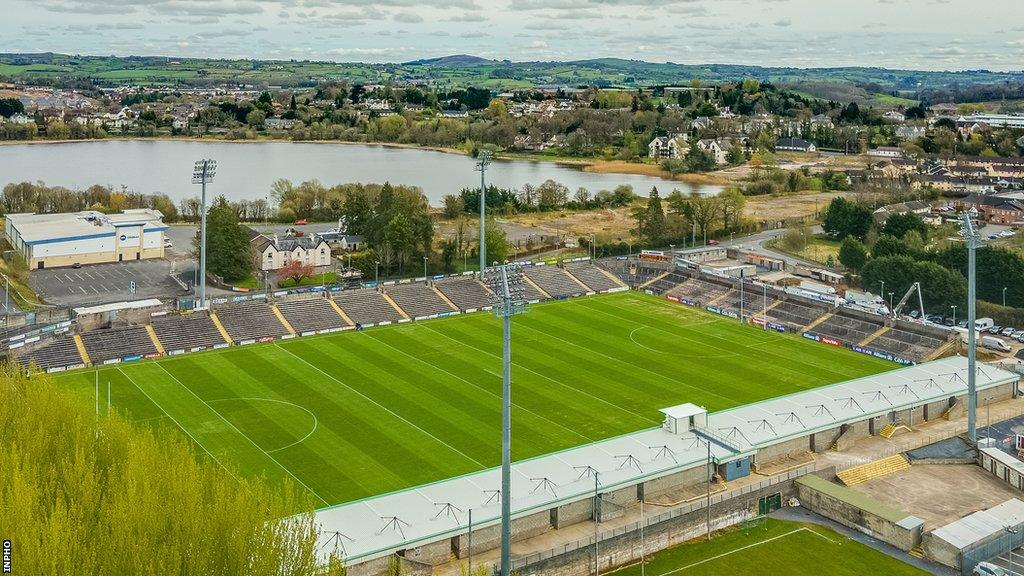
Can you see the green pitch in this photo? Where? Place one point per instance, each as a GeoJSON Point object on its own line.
{"type": "Point", "coordinates": [773, 547]}
{"type": "Point", "coordinates": [355, 414]}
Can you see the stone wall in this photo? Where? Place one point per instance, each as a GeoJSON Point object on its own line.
{"type": "Point", "coordinates": [823, 440]}
{"type": "Point", "coordinates": [857, 511]}
{"type": "Point", "coordinates": [573, 513]}
{"type": "Point", "coordinates": [775, 451]}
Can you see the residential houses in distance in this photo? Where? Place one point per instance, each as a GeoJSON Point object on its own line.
{"type": "Point", "coordinates": [274, 252]}
{"type": "Point", "coordinates": [667, 147]}
{"type": "Point", "coordinates": [795, 145]}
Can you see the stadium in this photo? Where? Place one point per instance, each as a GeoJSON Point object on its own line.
{"type": "Point", "coordinates": [634, 382]}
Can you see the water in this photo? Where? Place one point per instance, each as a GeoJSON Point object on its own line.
{"type": "Point", "coordinates": [246, 170]}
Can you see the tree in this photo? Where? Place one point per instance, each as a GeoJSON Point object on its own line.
{"type": "Point", "coordinates": [295, 270]}
{"type": "Point", "coordinates": [651, 226]}
{"type": "Point", "coordinates": [732, 201]}
{"type": "Point", "coordinates": [697, 160]}
{"type": "Point", "coordinates": [449, 250]}
{"type": "Point", "coordinates": [940, 287]}
{"type": "Point", "coordinates": [11, 106]}
{"type": "Point", "coordinates": [453, 205]}
{"type": "Point", "coordinates": [735, 155]}
{"type": "Point", "coordinates": [795, 239]}
{"type": "Point", "coordinates": [844, 218]}
{"type": "Point", "coordinates": [899, 224]}
{"type": "Point", "coordinates": [495, 242]}
{"type": "Point", "coordinates": [228, 253]}
{"type": "Point", "coordinates": [102, 507]}
{"type": "Point", "coordinates": [853, 254]}
{"type": "Point", "coordinates": [888, 245]}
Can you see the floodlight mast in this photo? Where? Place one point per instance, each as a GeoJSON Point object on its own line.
{"type": "Point", "coordinates": [506, 281]}
{"type": "Point", "coordinates": [484, 160]}
{"type": "Point", "coordinates": [972, 239]}
{"type": "Point", "coordinates": [203, 173]}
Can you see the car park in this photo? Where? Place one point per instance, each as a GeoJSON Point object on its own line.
{"type": "Point", "coordinates": [948, 321]}
{"type": "Point", "coordinates": [993, 343]}
{"type": "Point", "coordinates": [1007, 331]}
{"type": "Point", "coordinates": [994, 330]}
{"type": "Point", "coordinates": [989, 569]}
{"type": "Point", "coordinates": [1018, 336]}
{"type": "Point", "coordinates": [962, 324]}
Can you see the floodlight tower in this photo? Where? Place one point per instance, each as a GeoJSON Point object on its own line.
{"type": "Point", "coordinates": [973, 240]}
{"type": "Point", "coordinates": [202, 174]}
{"type": "Point", "coordinates": [506, 281]}
{"type": "Point", "coordinates": [483, 161]}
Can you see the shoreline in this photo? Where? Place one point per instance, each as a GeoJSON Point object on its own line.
{"type": "Point", "coordinates": [593, 165]}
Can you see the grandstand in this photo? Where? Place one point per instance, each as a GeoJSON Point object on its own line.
{"type": "Point", "coordinates": [849, 327]}
{"type": "Point", "coordinates": [367, 307]}
{"type": "Point", "coordinates": [311, 315]}
{"type": "Point", "coordinates": [795, 313]}
{"type": "Point", "coordinates": [592, 276]}
{"type": "Point", "coordinates": [418, 300]}
{"type": "Point", "coordinates": [252, 320]}
{"type": "Point", "coordinates": [701, 291]}
{"type": "Point", "coordinates": [909, 343]}
{"type": "Point", "coordinates": [60, 352]}
{"type": "Point", "coordinates": [187, 332]}
{"type": "Point", "coordinates": [466, 292]}
{"type": "Point", "coordinates": [117, 343]}
{"type": "Point", "coordinates": [555, 281]}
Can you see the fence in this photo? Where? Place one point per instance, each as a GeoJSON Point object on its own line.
{"type": "Point", "coordinates": [526, 561]}
{"type": "Point", "coordinates": [1010, 539]}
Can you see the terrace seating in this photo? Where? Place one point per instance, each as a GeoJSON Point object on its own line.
{"type": "Point", "coordinates": [366, 306]}
{"type": "Point", "coordinates": [701, 291]}
{"type": "Point", "coordinates": [112, 343]}
{"type": "Point", "coordinates": [253, 320]}
{"type": "Point", "coordinates": [795, 313]}
{"type": "Point", "coordinates": [908, 343]}
{"type": "Point", "coordinates": [8, 333]}
{"type": "Point", "coordinates": [755, 299]}
{"type": "Point", "coordinates": [311, 315]}
{"type": "Point", "coordinates": [591, 275]}
{"type": "Point", "coordinates": [417, 299]}
{"type": "Point", "coordinates": [848, 328]}
{"type": "Point", "coordinates": [465, 292]}
{"type": "Point", "coordinates": [190, 332]}
{"type": "Point", "coordinates": [57, 353]}
{"type": "Point", "coordinates": [668, 283]}
{"type": "Point", "coordinates": [554, 281]}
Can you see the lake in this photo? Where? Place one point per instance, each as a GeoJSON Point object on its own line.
{"type": "Point", "coordinates": [246, 170]}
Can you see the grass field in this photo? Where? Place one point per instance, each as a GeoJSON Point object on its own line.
{"type": "Point", "coordinates": [354, 414]}
{"type": "Point", "coordinates": [773, 547]}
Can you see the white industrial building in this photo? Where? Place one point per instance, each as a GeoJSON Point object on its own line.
{"type": "Point", "coordinates": [87, 237]}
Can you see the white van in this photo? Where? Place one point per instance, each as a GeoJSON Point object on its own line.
{"type": "Point", "coordinates": [983, 323]}
{"type": "Point", "coordinates": [994, 343]}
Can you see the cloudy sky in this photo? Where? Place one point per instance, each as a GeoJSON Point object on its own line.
{"type": "Point", "coordinates": [922, 34]}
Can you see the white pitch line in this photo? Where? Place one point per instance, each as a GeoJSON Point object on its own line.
{"type": "Point", "coordinates": [258, 447]}
{"type": "Point", "coordinates": [378, 404]}
{"type": "Point", "coordinates": [173, 419]}
{"type": "Point", "coordinates": [484, 390]}
{"type": "Point", "coordinates": [316, 422]}
{"type": "Point", "coordinates": [740, 549]}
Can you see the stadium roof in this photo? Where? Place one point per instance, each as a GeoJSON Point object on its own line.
{"type": "Point", "coordinates": [380, 525]}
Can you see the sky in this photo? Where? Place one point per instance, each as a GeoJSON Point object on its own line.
{"type": "Point", "coordinates": [910, 34]}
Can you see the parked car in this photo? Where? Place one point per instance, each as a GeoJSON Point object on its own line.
{"type": "Point", "coordinates": [989, 569]}
{"type": "Point", "coordinates": [1007, 331]}
{"type": "Point", "coordinates": [995, 330]}
{"type": "Point", "coordinates": [914, 314]}
{"type": "Point", "coordinates": [76, 265]}
{"type": "Point", "coordinates": [301, 222]}
{"type": "Point", "coordinates": [948, 321]}
{"type": "Point", "coordinates": [712, 242]}
{"type": "Point", "coordinates": [962, 323]}
{"type": "Point", "coordinates": [1018, 336]}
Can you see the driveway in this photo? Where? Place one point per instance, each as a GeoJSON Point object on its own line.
{"type": "Point", "coordinates": [110, 282]}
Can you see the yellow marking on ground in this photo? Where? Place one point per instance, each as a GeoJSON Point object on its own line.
{"type": "Point", "coordinates": [283, 320]}
{"type": "Point", "coordinates": [156, 341]}
{"type": "Point", "coordinates": [395, 305]}
{"type": "Point", "coordinates": [340, 312]}
{"type": "Point", "coordinates": [877, 334]}
{"type": "Point", "coordinates": [220, 328]}
{"type": "Point", "coordinates": [81, 349]}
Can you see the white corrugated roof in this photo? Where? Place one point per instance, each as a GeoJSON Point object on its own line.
{"type": "Point", "coordinates": [427, 513]}
{"type": "Point", "coordinates": [683, 410]}
{"type": "Point", "coordinates": [982, 524]}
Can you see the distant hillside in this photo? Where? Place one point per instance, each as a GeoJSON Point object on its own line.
{"type": "Point", "coordinates": [468, 70]}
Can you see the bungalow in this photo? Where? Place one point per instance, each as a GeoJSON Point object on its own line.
{"type": "Point", "coordinates": [918, 207]}
{"type": "Point", "coordinates": [673, 146]}
{"type": "Point", "coordinates": [886, 152]}
{"type": "Point", "coordinates": [454, 114]}
{"type": "Point", "coordinates": [278, 124]}
{"type": "Point", "coordinates": [895, 116]}
{"type": "Point", "coordinates": [910, 132]}
{"type": "Point", "coordinates": [795, 145]}
{"type": "Point", "coordinates": [274, 252]}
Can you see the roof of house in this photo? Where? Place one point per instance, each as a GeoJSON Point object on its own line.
{"type": "Point", "coordinates": [793, 143]}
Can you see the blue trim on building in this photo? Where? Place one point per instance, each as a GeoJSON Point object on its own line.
{"type": "Point", "coordinates": [70, 238]}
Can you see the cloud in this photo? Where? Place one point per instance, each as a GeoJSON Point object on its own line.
{"type": "Point", "coordinates": [466, 18]}
{"type": "Point", "coordinates": [783, 23]}
{"type": "Point", "coordinates": [407, 17]}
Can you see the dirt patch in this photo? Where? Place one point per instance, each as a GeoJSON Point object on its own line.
{"type": "Point", "coordinates": [775, 207]}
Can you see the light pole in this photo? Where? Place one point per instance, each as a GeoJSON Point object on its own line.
{"type": "Point", "coordinates": [484, 160]}
{"type": "Point", "coordinates": [882, 293]}
{"type": "Point", "coordinates": [973, 240]}
{"type": "Point", "coordinates": [376, 271]}
{"type": "Point", "coordinates": [1004, 296]}
{"type": "Point", "coordinates": [203, 173]}
{"type": "Point", "coordinates": [954, 314]}
{"type": "Point", "coordinates": [7, 300]}
{"type": "Point", "coordinates": [506, 282]}
{"type": "Point", "coordinates": [424, 267]}
{"type": "Point", "coordinates": [890, 301]}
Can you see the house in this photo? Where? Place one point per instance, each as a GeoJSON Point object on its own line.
{"type": "Point", "coordinates": [795, 145]}
{"type": "Point", "coordinates": [274, 252]}
{"type": "Point", "coordinates": [702, 123]}
{"type": "Point", "coordinates": [997, 208]}
{"type": "Point", "coordinates": [918, 207]}
{"type": "Point", "coordinates": [673, 146]}
{"type": "Point", "coordinates": [895, 116]}
{"type": "Point", "coordinates": [454, 114]}
{"type": "Point", "coordinates": [822, 121]}
{"type": "Point", "coordinates": [717, 147]}
{"type": "Point", "coordinates": [886, 152]}
{"type": "Point", "coordinates": [20, 118]}
{"type": "Point", "coordinates": [910, 132]}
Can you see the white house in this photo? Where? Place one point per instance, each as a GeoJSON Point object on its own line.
{"type": "Point", "coordinates": [20, 118]}
{"type": "Point", "coordinates": [274, 252]}
{"type": "Point", "coordinates": [673, 146]}
{"type": "Point", "coordinates": [795, 145]}
{"type": "Point", "coordinates": [717, 147]}
{"type": "Point", "coordinates": [886, 152]}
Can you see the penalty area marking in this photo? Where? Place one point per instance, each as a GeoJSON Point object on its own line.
{"type": "Point", "coordinates": [673, 353]}
{"type": "Point", "coordinates": [748, 546]}
{"type": "Point", "coordinates": [285, 402]}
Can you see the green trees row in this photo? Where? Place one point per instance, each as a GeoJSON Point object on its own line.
{"type": "Point", "coordinates": [88, 494]}
{"type": "Point", "coordinates": [38, 197]}
{"type": "Point", "coordinates": [688, 216]}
